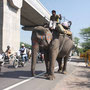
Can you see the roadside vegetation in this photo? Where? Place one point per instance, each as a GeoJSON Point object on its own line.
{"type": "Point", "coordinates": [26, 45]}
{"type": "Point", "coordinates": [85, 45]}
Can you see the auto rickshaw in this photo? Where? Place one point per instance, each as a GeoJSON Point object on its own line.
{"type": "Point", "coordinates": [87, 58]}
{"type": "Point", "coordinates": [82, 55]}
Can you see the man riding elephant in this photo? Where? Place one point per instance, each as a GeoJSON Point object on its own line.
{"type": "Point", "coordinates": [55, 24]}
{"type": "Point", "coordinates": [41, 39]}
{"type": "Point", "coordinates": [60, 45]}
{"type": "Point", "coordinates": [55, 45]}
{"type": "Point", "coordinates": [54, 19]}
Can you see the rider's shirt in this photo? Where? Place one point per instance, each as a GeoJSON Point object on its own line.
{"type": "Point", "coordinates": [8, 51]}
{"type": "Point", "coordinates": [23, 50]}
{"type": "Point", "coordinates": [55, 18]}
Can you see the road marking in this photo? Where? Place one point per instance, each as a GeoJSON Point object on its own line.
{"type": "Point", "coordinates": [24, 81]}
{"type": "Point", "coordinates": [70, 59]}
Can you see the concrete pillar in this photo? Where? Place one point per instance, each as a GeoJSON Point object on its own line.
{"type": "Point", "coordinates": [10, 24]}
{"type": "Point", "coordinates": [1, 23]}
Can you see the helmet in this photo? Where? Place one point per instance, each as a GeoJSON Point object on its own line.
{"type": "Point", "coordinates": [8, 46]}
{"type": "Point", "coordinates": [23, 45]}
{"type": "Point", "coordinates": [65, 24]}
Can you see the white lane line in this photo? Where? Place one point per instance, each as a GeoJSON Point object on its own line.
{"type": "Point", "coordinates": [70, 59]}
{"type": "Point", "coordinates": [24, 81]}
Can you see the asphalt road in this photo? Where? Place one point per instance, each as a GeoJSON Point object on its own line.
{"type": "Point", "coordinates": [20, 78]}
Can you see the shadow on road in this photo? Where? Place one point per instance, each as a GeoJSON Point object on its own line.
{"type": "Point", "coordinates": [84, 82]}
{"type": "Point", "coordinates": [18, 74]}
{"type": "Point", "coordinates": [85, 72]}
{"type": "Point", "coordinates": [80, 84]}
{"type": "Point", "coordinates": [83, 78]}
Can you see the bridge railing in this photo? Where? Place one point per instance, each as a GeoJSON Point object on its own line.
{"type": "Point", "coordinates": [37, 5]}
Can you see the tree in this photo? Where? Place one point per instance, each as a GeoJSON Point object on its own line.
{"type": "Point", "coordinates": [76, 41]}
{"type": "Point", "coordinates": [85, 34]}
{"type": "Point", "coordinates": [26, 45]}
{"type": "Point", "coordinates": [86, 46]}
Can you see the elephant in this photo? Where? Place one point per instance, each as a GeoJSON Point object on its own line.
{"type": "Point", "coordinates": [51, 44]}
{"type": "Point", "coordinates": [41, 38]}
{"type": "Point", "coordinates": [59, 53]}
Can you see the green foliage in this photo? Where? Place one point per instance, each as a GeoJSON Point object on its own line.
{"type": "Point", "coordinates": [86, 46]}
{"type": "Point", "coordinates": [81, 50]}
{"type": "Point", "coordinates": [85, 34]}
{"type": "Point", "coordinates": [76, 41]}
{"type": "Point", "coordinates": [26, 45]}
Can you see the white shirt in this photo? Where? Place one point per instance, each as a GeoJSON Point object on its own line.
{"type": "Point", "coordinates": [22, 50]}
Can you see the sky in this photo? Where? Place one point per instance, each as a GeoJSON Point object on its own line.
{"type": "Point", "coordinates": [77, 11]}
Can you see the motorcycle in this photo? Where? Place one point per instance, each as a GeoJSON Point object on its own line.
{"type": "Point", "coordinates": [1, 61]}
{"type": "Point", "coordinates": [40, 57]}
{"type": "Point", "coordinates": [19, 61]}
{"type": "Point", "coordinates": [7, 59]}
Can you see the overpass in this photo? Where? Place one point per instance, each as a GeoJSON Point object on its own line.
{"type": "Point", "coordinates": [14, 13]}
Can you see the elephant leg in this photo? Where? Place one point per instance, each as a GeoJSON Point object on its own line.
{"type": "Point", "coordinates": [34, 57]}
{"type": "Point", "coordinates": [65, 61]}
{"type": "Point", "coordinates": [59, 60]}
{"type": "Point", "coordinates": [52, 64]}
{"type": "Point", "coordinates": [47, 63]}
{"type": "Point", "coordinates": [65, 64]}
{"type": "Point", "coordinates": [53, 56]}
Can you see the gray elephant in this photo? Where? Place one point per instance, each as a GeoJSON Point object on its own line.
{"type": "Point", "coordinates": [42, 39]}
{"type": "Point", "coordinates": [57, 52]}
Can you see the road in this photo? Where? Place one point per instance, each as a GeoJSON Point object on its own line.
{"type": "Point", "coordinates": [20, 78]}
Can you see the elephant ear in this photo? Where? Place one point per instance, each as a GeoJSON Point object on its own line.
{"type": "Point", "coordinates": [48, 36]}
{"type": "Point", "coordinates": [43, 34]}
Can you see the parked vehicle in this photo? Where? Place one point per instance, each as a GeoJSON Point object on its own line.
{"type": "Point", "coordinates": [1, 61]}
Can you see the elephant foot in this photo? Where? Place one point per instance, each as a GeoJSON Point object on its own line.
{"type": "Point", "coordinates": [64, 72]}
{"type": "Point", "coordinates": [59, 71]}
{"type": "Point", "coordinates": [46, 74]}
{"type": "Point", "coordinates": [51, 77]}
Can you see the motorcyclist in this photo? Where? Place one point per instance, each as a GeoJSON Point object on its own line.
{"type": "Point", "coordinates": [8, 52]}
{"type": "Point", "coordinates": [23, 53]}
